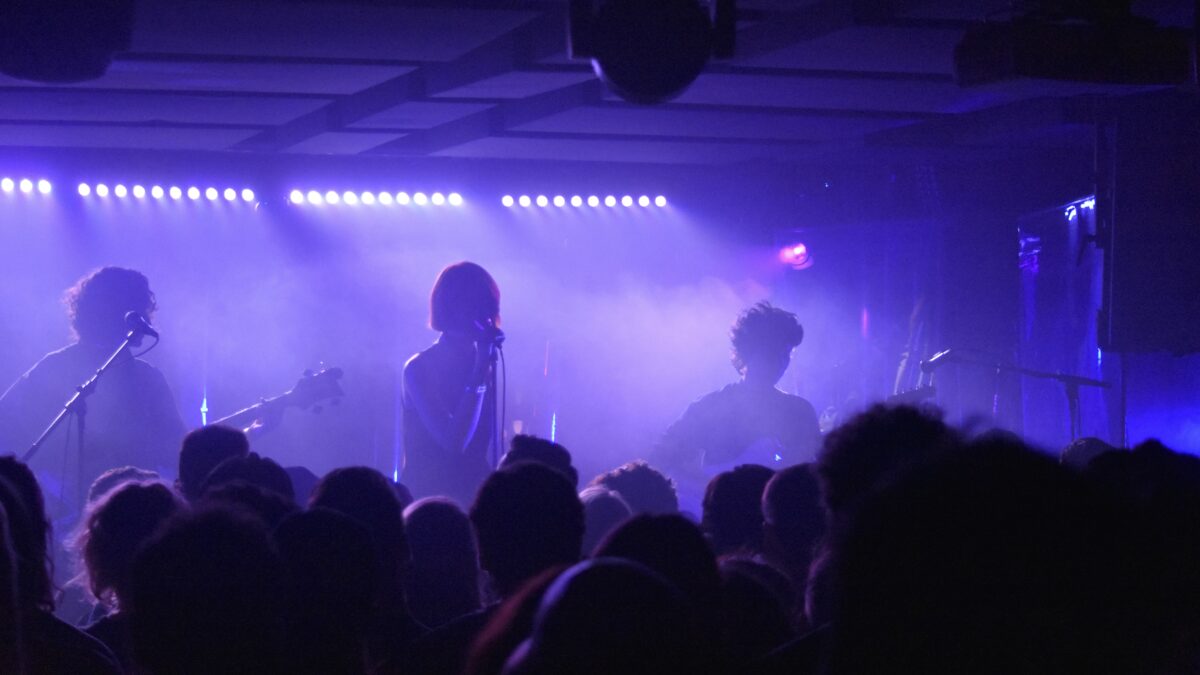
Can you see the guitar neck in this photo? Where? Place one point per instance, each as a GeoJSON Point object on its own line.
{"type": "Point", "coordinates": [246, 416]}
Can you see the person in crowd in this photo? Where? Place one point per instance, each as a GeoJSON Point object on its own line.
{"type": "Point", "coordinates": [368, 497]}
{"type": "Point", "coordinates": [527, 519]}
{"type": "Point", "coordinates": [206, 597]}
{"type": "Point", "coordinates": [527, 448]}
{"type": "Point", "coordinates": [201, 452]}
{"type": "Point", "coordinates": [756, 611]}
{"type": "Point", "coordinates": [793, 526]}
{"type": "Point", "coordinates": [449, 405]}
{"type": "Point", "coordinates": [644, 488]}
{"type": "Point", "coordinates": [732, 515]}
{"type": "Point", "coordinates": [510, 625]}
{"type": "Point", "coordinates": [115, 528]}
{"type": "Point", "coordinates": [114, 478]}
{"type": "Point", "coordinates": [1081, 451]}
{"type": "Point", "coordinates": [49, 645]}
{"type": "Point", "coordinates": [262, 472]}
{"type": "Point", "coordinates": [131, 418]}
{"type": "Point", "coordinates": [603, 511]}
{"type": "Point", "coordinates": [268, 506]}
{"type": "Point", "coordinates": [750, 421]}
{"type": "Point", "coordinates": [11, 640]}
{"type": "Point", "coordinates": [443, 582]}
{"type": "Point", "coordinates": [331, 589]}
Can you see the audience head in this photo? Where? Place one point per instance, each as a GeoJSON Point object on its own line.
{"type": "Point", "coordinates": [11, 660]}
{"type": "Point", "coordinates": [793, 522]}
{"type": "Point", "coordinates": [267, 505]}
{"type": "Point", "coordinates": [756, 609]}
{"type": "Point", "coordinates": [527, 448]}
{"type": "Point", "coordinates": [206, 597]}
{"type": "Point", "coordinates": [1082, 451]}
{"type": "Point", "coordinates": [646, 625]}
{"type": "Point", "coordinates": [464, 297]}
{"type": "Point", "coordinates": [763, 338]}
{"type": "Point", "coordinates": [603, 511]}
{"type": "Point", "coordinates": [673, 547]}
{"type": "Point", "coordinates": [203, 449]}
{"type": "Point", "coordinates": [510, 625]}
{"type": "Point", "coordinates": [97, 303]}
{"type": "Point", "coordinates": [30, 533]}
{"type": "Point", "coordinates": [114, 478]}
{"type": "Point", "coordinates": [115, 529]}
{"type": "Point", "coordinates": [874, 448]}
{"type": "Point", "coordinates": [527, 518]}
{"type": "Point", "coordinates": [262, 472]}
{"type": "Point", "coordinates": [643, 488]}
{"type": "Point", "coordinates": [443, 582]}
{"type": "Point", "coordinates": [733, 518]}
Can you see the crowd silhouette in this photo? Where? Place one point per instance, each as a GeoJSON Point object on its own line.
{"type": "Point", "coordinates": [907, 547]}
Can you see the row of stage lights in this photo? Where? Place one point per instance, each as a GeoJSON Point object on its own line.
{"type": "Point", "coordinates": [578, 201]}
{"type": "Point", "coordinates": [174, 192]}
{"type": "Point", "coordinates": [333, 197]}
{"type": "Point", "coordinates": [25, 185]}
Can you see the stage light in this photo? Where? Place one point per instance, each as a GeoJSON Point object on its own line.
{"type": "Point", "coordinates": [120, 191]}
{"type": "Point", "coordinates": [455, 199]}
{"type": "Point", "coordinates": [626, 201]}
{"type": "Point", "coordinates": [1088, 204]}
{"type": "Point", "coordinates": [350, 198]}
{"type": "Point", "coordinates": [593, 201]}
{"type": "Point", "coordinates": [524, 200]}
{"type": "Point", "coordinates": [315, 198]}
{"type": "Point", "coordinates": [368, 198]}
{"type": "Point", "coordinates": [402, 198]}
{"type": "Point", "coordinates": [796, 255]}
{"type": "Point", "coordinates": [44, 186]}
{"type": "Point", "coordinates": [420, 199]}
{"type": "Point", "coordinates": [542, 200]}
{"type": "Point", "coordinates": [438, 199]}
{"type": "Point", "coordinates": [332, 197]}
{"type": "Point", "coordinates": [26, 185]}
{"type": "Point", "coordinates": [6, 185]}
{"type": "Point", "coordinates": [247, 195]}
{"type": "Point", "coordinates": [643, 201]}
{"type": "Point", "coordinates": [101, 190]}
{"type": "Point", "coordinates": [1070, 213]}
{"type": "Point", "coordinates": [176, 192]}
{"type": "Point", "coordinates": [139, 192]}
{"type": "Point", "coordinates": [385, 198]}
{"type": "Point", "coordinates": [660, 201]}
{"type": "Point", "coordinates": [576, 201]}
{"type": "Point", "coordinates": [84, 189]}
{"type": "Point", "coordinates": [156, 192]}
{"type": "Point", "coordinates": [507, 200]}
{"type": "Point", "coordinates": [230, 194]}
{"type": "Point", "coordinates": [296, 197]}
{"type": "Point", "coordinates": [193, 193]}
{"type": "Point", "coordinates": [610, 201]}
{"type": "Point", "coordinates": [559, 200]}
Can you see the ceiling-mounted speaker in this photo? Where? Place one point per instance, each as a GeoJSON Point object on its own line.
{"type": "Point", "coordinates": [649, 51]}
{"type": "Point", "coordinates": [62, 40]}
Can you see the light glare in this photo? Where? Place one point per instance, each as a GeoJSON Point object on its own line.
{"type": "Point", "coordinates": [560, 201]}
{"type": "Point", "coordinates": [230, 194]}
{"type": "Point", "coordinates": [420, 199]}
{"type": "Point", "coordinates": [576, 201]}
{"type": "Point", "coordinates": [438, 199]}
{"type": "Point", "coordinates": [176, 192]}
{"type": "Point", "coordinates": [593, 201]}
{"type": "Point", "coordinates": [26, 185]}
{"type": "Point", "coordinates": [542, 201]}
{"type": "Point", "coordinates": [524, 200]}
{"type": "Point", "coordinates": [385, 198]}
{"type": "Point", "coordinates": [610, 201]}
{"type": "Point", "coordinates": [43, 186]}
{"type": "Point", "coordinates": [507, 200]}
{"type": "Point", "coordinates": [643, 201]}
{"type": "Point", "coordinates": [332, 197]}
{"type": "Point", "coordinates": [193, 193]}
{"type": "Point", "coordinates": [349, 197]}
{"type": "Point", "coordinates": [84, 189]}
{"type": "Point", "coordinates": [6, 185]}
{"type": "Point", "coordinates": [455, 199]}
{"type": "Point", "coordinates": [314, 197]}
{"type": "Point", "coordinates": [402, 198]}
{"type": "Point", "coordinates": [101, 190]}
{"type": "Point", "coordinates": [296, 197]}
{"type": "Point", "coordinates": [156, 192]}
{"type": "Point", "coordinates": [139, 192]}
{"type": "Point", "coordinates": [247, 195]}
{"type": "Point", "coordinates": [212, 194]}
{"type": "Point", "coordinates": [660, 201]}
{"type": "Point", "coordinates": [626, 201]}
{"type": "Point", "coordinates": [120, 191]}
{"type": "Point", "coordinates": [368, 198]}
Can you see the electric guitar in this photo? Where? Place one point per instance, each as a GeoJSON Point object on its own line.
{"type": "Point", "coordinates": [311, 391]}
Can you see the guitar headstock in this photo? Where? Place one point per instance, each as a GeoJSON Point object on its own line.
{"type": "Point", "coordinates": [316, 387]}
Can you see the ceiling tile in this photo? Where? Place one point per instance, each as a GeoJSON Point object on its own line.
{"type": "Point", "coordinates": [419, 115]}
{"type": "Point", "coordinates": [67, 105]}
{"type": "Point", "coordinates": [95, 136]}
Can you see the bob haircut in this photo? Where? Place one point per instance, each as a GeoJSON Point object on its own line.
{"type": "Point", "coordinates": [764, 330]}
{"type": "Point", "coordinates": [464, 294]}
{"type": "Point", "coordinates": [97, 303]}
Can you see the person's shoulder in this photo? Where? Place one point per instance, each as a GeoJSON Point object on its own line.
{"type": "Point", "coordinates": [56, 647]}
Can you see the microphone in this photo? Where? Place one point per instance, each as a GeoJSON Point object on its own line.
{"type": "Point", "coordinates": [136, 323]}
{"type": "Point", "coordinates": [489, 332]}
{"type": "Point", "coordinates": [936, 361]}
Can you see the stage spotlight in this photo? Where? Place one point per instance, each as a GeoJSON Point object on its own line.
{"type": "Point", "coordinates": [296, 197]}
{"type": "Point", "coordinates": [314, 198]}
{"type": "Point", "coordinates": [139, 192]}
{"type": "Point", "coordinates": [593, 201]}
{"type": "Point", "coordinates": [84, 189]}
{"type": "Point", "coordinates": [643, 201]}
{"type": "Point", "coordinates": [438, 199]}
{"type": "Point", "coordinates": [230, 194]}
{"type": "Point", "coordinates": [101, 190]}
{"type": "Point", "coordinates": [542, 201]}
{"type": "Point", "coordinates": [332, 197]}
{"type": "Point", "coordinates": [193, 193]}
{"type": "Point", "coordinates": [350, 198]}
{"type": "Point", "coordinates": [176, 192]}
{"type": "Point", "coordinates": [44, 186]}
{"type": "Point", "coordinates": [524, 200]}
{"type": "Point", "coordinates": [212, 194]}
{"type": "Point", "coordinates": [420, 199]}
{"type": "Point", "coordinates": [368, 198]}
{"type": "Point", "coordinates": [156, 192]}
{"type": "Point", "coordinates": [796, 256]}
{"type": "Point", "coordinates": [610, 201]}
{"type": "Point", "coordinates": [385, 198]}
{"type": "Point", "coordinates": [507, 200]}
{"type": "Point", "coordinates": [649, 52]}
{"type": "Point", "coordinates": [247, 195]}
{"type": "Point", "coordinates": [6, 185]}
{"type": "Point", "coordinates": [120, 191]}
{"type": "Point", "coordinates": [26, 185]}
{"type": "Point", "coordinates": [560, 200]}
{"type": "Point", "coordinates": [576, 201]}
{"type": "Point", "coordinates": [455, 199]}
{"type": "Point", "coordinates": [402, 198]}
{"type": "Point", "coordinates": [660, 201]}
{"type": "Point", "coordinates": [626, 201]}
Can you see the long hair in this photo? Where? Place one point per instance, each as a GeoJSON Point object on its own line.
{"type": "Point", "coordinates": [463, 294]}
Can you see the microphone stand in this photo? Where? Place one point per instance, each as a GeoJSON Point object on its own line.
{"type": "Point", "coordinates": [77, 405]}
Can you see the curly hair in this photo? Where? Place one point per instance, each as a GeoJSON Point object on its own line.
{"type": "Point", "coordinates": [97, 303]}
{"type": "Point", "coordinates": [763, 329]}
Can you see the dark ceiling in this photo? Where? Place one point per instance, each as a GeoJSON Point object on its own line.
{"type": "Point", "coordinates": [813, 80]}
